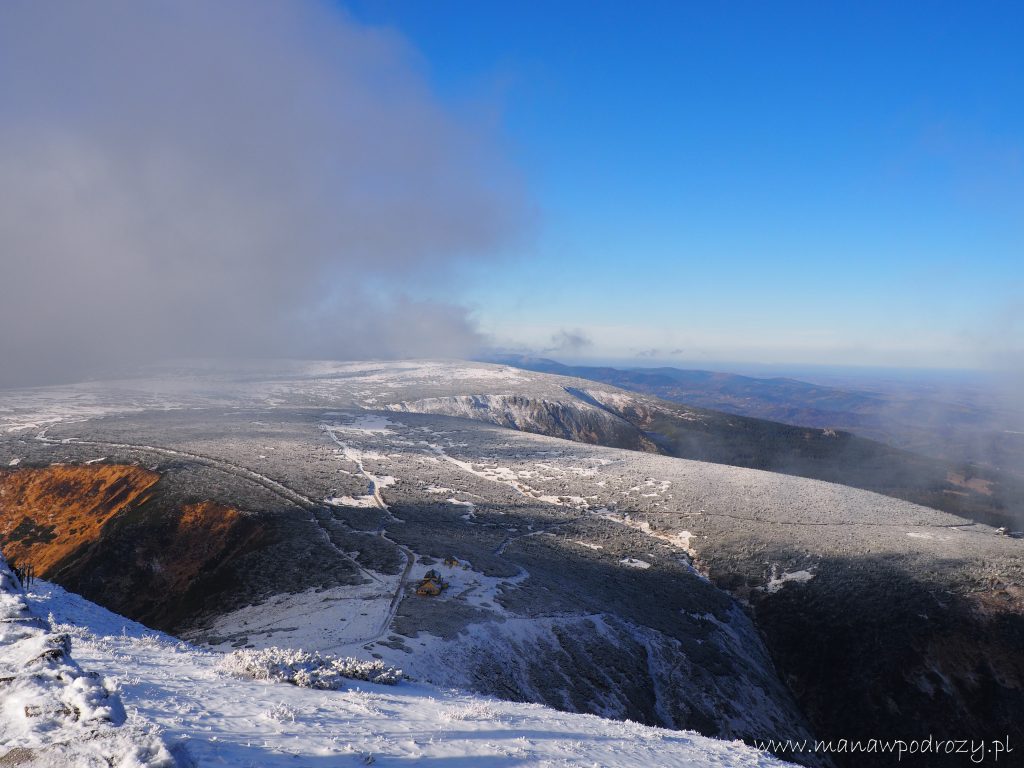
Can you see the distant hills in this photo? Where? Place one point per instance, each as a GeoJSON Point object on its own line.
{"type": "Point", "coordinates": [960, 426]}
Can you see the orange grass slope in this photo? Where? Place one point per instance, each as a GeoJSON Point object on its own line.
{"type": "Point", "coordinates": [205, 534]}
{"type": "Point", "coordinates": [48, 513]}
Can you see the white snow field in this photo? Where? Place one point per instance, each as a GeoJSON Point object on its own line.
{"type": "Point", "coordinates": [148, 699]}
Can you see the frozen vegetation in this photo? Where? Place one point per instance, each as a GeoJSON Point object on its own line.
{"type": "Point", "coordinates": [307, 670]}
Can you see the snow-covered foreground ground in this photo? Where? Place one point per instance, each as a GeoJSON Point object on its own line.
{"type": "Point", "coordinates": [178, 694]}
{"type": "Point", "coordinates": [52, 711]}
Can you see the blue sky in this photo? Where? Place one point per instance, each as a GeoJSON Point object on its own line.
{"type": "Point", "coordinates": [768, 182]}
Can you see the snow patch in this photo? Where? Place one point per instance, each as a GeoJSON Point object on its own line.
{"type": "Point", "coordinates": [633, 562]}
{"type": "Point", "coordinates": [470, 507]}
{"type": "Point", "coordinates": [54, 710]}
{"type": "Point", "coordinates": [351, 501]}
{"type": "Point", "coordinates": [779, 581]}
{"type": "Point", "coordinates": [339, 619]}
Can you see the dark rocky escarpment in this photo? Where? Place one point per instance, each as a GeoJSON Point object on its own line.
{"type": "Point", "coordinates": [873, 649]}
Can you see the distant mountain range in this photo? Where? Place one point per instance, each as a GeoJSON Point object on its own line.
{"type": "Point", "coordinates": [960, 426]}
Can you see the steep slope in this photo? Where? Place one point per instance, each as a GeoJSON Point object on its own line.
{"type": "Point", "coordinates": [49, 513]}
{"type": "Point", "coordinates": [52, 712]}
{"type": "Point", "coordinates": [910, 655]}
{"type": "Point", "coordinates": [114, 531]}
{"type": "Point", "coordinates": [209, 717]}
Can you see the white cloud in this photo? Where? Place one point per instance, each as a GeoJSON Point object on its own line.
{"type": "Point", "coordinates": [184, 178]}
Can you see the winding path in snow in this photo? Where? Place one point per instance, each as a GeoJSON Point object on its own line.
{"type": "Point", "coordinates": [410, 558]}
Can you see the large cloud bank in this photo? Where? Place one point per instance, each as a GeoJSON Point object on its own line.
{"type": "Point", "coordinates": [229, 178]}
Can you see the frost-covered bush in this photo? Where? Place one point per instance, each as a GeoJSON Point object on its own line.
{"type": "Point", "coordinates": [474, 710]}
{"type": "Point", "coordinates": [305, 669]}
{"type": "Point", "coordinates": [281, 712]}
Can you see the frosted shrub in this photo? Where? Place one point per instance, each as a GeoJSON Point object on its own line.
{"type": "Point", "coordinates": [281, 712]}
{"type": "Point", "coordinates": [150, 641]}
{"type": "Point", "coordinates": [474, 710]}
{"type": "Point", "coordinates": [307, 670]}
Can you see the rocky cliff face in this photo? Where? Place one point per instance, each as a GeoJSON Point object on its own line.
{"type": "Point", "coordinates": [569, 419]}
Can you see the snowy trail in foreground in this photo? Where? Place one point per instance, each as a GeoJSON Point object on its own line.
{"type": "Point", "coordinates": [218, 720]}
